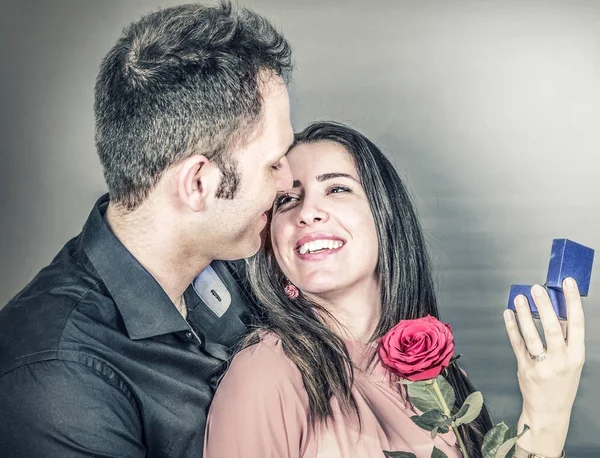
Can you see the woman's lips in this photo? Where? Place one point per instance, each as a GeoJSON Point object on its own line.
{"type": "Point", "coordinates": [323, 244]}
{"type": "Point", "coordinates": [319, 255]}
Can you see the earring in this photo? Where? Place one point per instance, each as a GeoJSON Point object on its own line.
{"type": "Point", "coordinates": [291, 291]}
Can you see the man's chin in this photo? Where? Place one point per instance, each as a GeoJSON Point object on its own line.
{"type": "Point", "coordinates": [256, 247]}
{"type": "Point", "coordinates": [247, 251]}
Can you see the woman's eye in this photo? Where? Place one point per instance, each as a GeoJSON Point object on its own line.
{"type": "Point", "coordinates": [283, 199]}
{"type": "Point", "coordinates": [337, 189]}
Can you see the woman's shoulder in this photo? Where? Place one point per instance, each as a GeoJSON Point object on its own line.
{"type": "Point", "coordinates": [264, 363]}
{"type": "Point", "coordinates": [260, 407]}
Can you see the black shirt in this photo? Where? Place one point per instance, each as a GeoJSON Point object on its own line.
{"type": "Point", "coordinates": [95, 360]}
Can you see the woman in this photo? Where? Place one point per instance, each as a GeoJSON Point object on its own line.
{"type": "Point", "coordinates": [344, 262]}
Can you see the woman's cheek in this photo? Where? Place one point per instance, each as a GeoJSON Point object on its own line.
{"type": "Point", "coordinates": [280, 256]}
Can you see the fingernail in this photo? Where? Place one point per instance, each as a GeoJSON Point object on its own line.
{"type": "Point", "coordinates": [569, 283]}
{"type": "Point", "coordinates": [537, 291]}
{"type": "Point", "coordinates": [508, 315]}
{"type": "Point", "coordinates": [521, 301]}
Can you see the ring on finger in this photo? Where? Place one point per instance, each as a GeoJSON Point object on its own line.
{"type": "Point", "coordinates": [541, 356]}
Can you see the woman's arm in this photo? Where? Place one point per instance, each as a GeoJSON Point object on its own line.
{"type": "Point", "coordinates": [549, 382]}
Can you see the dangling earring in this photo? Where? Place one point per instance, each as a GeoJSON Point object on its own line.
{"type": "Point", "coordinates": [291, 291]}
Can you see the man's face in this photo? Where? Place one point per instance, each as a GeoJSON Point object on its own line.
{"type": "Point", "coordinates": [263, 170]}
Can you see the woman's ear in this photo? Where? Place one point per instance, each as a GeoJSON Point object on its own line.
{"type": "Point", "coordinates": [198, 181]}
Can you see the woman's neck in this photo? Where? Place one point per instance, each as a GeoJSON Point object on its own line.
{"type": "Point", "coordinates": [356, 310]}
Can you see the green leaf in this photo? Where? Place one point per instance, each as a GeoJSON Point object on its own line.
{"type": "Point", "coordinates": [430, 419]}
{"type": "Point", "coordinates": [399, 454]}
{"type": "Point", "coordinates": [437, 453]}
{"type": "Point", "coordinates": [424, 405]}
{"type": "Point", "coordinates": [511, 432]}
{"type": "Point", "coordinates": [423, 397]}
{"type": "Point", "coordinates": [447, 391]}
{"type": "Point", "coordinates": [510, 439]}
{"type": "Point", "coordinates": [492, 440]}
{"type": "Point", "coordinates": [439, 429]}
{"type": "Point", "coordinates": [434, 432]}
{"type": "Point", "coordinates": [475, 403]}
{"type": "Point", "coordinates": [506, 448]}
{"type": "Point", "coordinates": [461, 412]}
{"type": "Point", "coordinates": [404, 381]}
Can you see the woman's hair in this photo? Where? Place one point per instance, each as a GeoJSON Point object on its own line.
{"type": "Point", "coordinates": [405, 284]}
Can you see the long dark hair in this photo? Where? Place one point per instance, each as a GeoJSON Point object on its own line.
{"type": "Point", "coordinates": [405, 282]}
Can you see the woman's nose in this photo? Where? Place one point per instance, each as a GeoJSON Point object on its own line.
{"type": "Point", "coordinates": [311, 213]}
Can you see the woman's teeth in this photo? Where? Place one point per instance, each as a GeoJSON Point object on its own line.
{"type": "Point", "coordinates": [319, 245]}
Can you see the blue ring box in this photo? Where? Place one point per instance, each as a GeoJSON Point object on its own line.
{"type": "Point", "coordinates": [567, 259]}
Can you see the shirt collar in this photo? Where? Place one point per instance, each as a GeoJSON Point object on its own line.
{"type": "Point", "coordinates": [145, 308]}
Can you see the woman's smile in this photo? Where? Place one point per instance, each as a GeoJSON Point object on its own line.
{"type": "Point", "coordinates": [314, 247]}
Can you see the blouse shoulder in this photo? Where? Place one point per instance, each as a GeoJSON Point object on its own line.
{"type": "Point", "coordinates": [260, 408]}
{"type": "Point", "coordinates": [264, 364]}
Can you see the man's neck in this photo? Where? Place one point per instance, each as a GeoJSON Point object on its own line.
{"type": "Point", "coordinates": [158, 247]}
{"type": "Point", "coordinates": [181, 306]}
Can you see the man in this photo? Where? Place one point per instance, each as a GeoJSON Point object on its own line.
{"type": "Point", "coordinates": [109, 352]}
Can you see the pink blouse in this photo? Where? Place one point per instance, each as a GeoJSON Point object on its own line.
{"type": "Point", "coordinates": [260, 410]}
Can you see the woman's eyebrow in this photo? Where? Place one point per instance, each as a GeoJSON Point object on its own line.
{"type": "Point", "coordinates": [325, 177]}
{"type": "Point", "coordinates": [331, 176]}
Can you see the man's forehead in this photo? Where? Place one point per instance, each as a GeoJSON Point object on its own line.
{"type": "Point", "coordinates": [271, 132]}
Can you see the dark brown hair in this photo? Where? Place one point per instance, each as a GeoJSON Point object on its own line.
{"type": "Point", "coordinates": [180, 81]}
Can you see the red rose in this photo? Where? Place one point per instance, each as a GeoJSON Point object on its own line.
{"type": "Point", "coordinates": [417, 349]}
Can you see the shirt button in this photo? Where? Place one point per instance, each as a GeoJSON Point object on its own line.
{"type": "Point", "coordinates": [188, 334]}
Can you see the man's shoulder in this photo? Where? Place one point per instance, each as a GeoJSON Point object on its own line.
{"type": "Point", "coordinates": [32, 324]}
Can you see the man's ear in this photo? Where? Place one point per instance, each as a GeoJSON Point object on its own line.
{"type": "Point", "coordinates": [198, 181]}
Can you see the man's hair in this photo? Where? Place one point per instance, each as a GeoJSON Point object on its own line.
{"type": "Point", "coordinates": [181, 81]}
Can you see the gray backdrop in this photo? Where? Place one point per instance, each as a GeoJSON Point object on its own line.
{"type": "Point", "coordinates": [489, 109]}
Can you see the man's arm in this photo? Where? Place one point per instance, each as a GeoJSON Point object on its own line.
{"type": "Point", "coordinates": [67, 409]}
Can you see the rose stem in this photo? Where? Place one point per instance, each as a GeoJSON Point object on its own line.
{"type": "Point", "coordinates": [440, 397]}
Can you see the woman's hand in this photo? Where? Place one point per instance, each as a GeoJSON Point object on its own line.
{"type": "Point", "coordinates": [548, 378]}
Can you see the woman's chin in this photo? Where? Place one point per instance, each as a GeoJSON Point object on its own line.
{"type": "Point", "coordinates": [320, 287]}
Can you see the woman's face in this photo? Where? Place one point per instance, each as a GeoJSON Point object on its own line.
{"type": "Point", "coordinates": [323, 233]}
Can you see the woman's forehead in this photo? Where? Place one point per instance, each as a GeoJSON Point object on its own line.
{"type": "Point", "coordinates": [320, 157]}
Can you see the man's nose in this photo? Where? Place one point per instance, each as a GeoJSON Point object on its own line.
{"type": "Point", "coordinates": [284, 179]}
